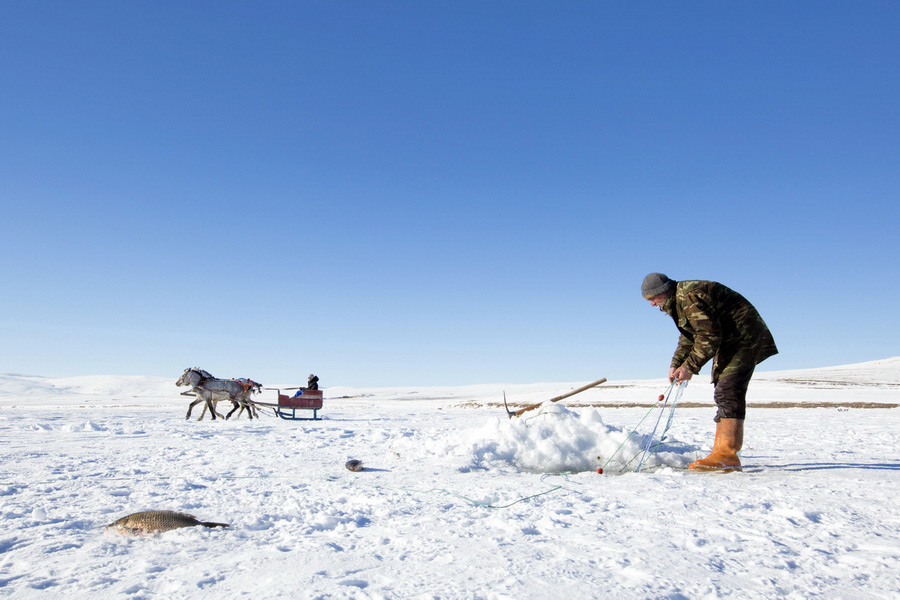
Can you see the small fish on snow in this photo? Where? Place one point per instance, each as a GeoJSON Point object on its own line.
{"type": "Point", "coordinates": [354, 465]}
{"type": "Point", "coordinates": [156, 521]}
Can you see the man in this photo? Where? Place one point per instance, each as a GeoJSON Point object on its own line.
{"type": "Point", "coordinates": [312, 382]}
{"type": "Point", "coordinates": [715, 323]}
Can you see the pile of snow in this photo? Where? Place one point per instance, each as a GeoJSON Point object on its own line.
{"type": "Point", "coordinates": [553, 439]}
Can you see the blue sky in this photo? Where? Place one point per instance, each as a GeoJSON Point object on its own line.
{"type": "Point", "coordinates": [433, 193]}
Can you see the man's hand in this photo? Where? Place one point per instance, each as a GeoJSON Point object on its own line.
{"type": "Point", "coordinates": [680, 374]}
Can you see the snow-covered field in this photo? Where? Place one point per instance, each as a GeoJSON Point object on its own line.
{"type": "Point", "coordinates": [456, 501]}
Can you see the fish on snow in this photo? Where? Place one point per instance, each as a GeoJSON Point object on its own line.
{"type": "Point", "coordinates": [156, 521]}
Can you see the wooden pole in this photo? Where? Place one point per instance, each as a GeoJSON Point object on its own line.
{"type": "Point", "coordinates": [557, 399]}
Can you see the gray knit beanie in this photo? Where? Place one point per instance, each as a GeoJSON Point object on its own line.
{"type": "Point", "coordinates": [655, 284]}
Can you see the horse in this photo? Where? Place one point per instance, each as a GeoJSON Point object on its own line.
{"type": "Point", "coordinates": [194, 377]}
{"type": "Point", "coordinates": [248, 388]}
{"type": "Point", "coordinates": [211, 391]}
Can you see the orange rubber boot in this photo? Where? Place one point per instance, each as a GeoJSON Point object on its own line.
{"type": "Point", "coordinates": [729, 441]}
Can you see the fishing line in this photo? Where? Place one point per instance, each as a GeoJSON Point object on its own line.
{"type": "Point", "coordinates": [646, 450]}
{"type": "Point", "coordinates": [492, 506]}
{"type": "Point", "coordinates": [145, 478]}
{"type": "Point", "coordinates": [445, 491]}
{"type": "Point", "coordinates": [634, 430]}
{"type": "Point", "coordinates": [675, 400]}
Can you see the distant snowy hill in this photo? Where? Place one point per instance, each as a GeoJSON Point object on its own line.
{"type": "Point", "coordinates": [876, 372]}
{"type": "Point", "coordinates": [102, 385]}
{"type": "Point", "coordinates": [881, 379]}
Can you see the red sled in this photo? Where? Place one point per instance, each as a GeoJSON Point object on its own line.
{"type": "Point", "coordinates": [307, 400]}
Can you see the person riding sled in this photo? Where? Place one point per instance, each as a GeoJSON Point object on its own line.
{"type": "Point", "coordinates": [312, 383]}
{"type": "Point", "coordinates": [715, 323]}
